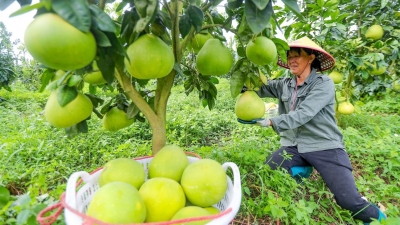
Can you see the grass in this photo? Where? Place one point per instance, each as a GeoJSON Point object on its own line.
{"type": "Point", "coordinates": [37, 159]}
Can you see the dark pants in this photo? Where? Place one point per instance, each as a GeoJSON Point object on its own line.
{"type": "Point", "coordinates": [335, 169]}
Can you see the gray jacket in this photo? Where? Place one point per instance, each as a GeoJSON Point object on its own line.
{"type": "Point", "coordinates": [308, 121]}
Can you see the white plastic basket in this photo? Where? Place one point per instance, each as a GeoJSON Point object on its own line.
{"type": "Point", "coordinates": [79, 200]}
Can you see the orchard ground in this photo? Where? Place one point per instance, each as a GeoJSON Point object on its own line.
{"type": "Point", "coordinates": [37, 159]}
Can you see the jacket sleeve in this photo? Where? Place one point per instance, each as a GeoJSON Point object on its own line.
{"type": "Point", "coordinates": [272, 89]}
{"type": "Point", "coordinates": [319, 97]}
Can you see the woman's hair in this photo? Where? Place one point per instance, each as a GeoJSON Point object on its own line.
{"type": "Point", "coordinates": [316, 64]}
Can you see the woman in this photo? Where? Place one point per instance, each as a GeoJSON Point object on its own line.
{"type": "Point", "coordinates": [307, 127]}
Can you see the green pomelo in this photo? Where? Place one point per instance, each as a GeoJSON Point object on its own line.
{"type": "Point", "coordinates": [169, 162]}
{"type": "Point", "coordinates": [149, 57]}
{"type": "Point", "coordinates": [58, 75]}
{"type": "Point", "coordinates": [119, 203]}
{"type": "Point", "coordinates": [204, 182]}
{"type": "Point", "coordinates": [57, 44]}
{"type": "Point", "coordinates": [377, 71]}
{"type": "Point", "coordinates": [191, 212]}
{"type": "Point", "coordinates": [214, 58]}
{"type": "Point", "coordinates": [375, 32]}
{"type": "Point", "coordinates": [249, 106]}
{"type": "Point", "coordinates": [212, 210]}
{"type": "Point", "coordinates": [346, 108]}
{"type": "Point", "coordinates": [163, 198]}
{"type": "Point", "coordinates": [336, 77]}
{"type": "Point", "coordinates": [198, 41]}
{"type": "Point", "coordinates": [95, 77]}
{"type": "Point", "coordinates": [396, 85]}
{"type": "Point", "coordinates": [124, 170]}
{"type": "Point", "coordinates": [261, 51]}
{"type": "Point", "coordinates": [116, 119]}
{"type": "Point", "coordinates": [74, 112]}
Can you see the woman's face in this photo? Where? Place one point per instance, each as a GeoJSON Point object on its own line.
{"type": "Point", "coordinates": [298, 62]}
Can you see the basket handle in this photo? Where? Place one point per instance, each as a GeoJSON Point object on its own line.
{"type": "Point", "coordinates": [71, 187]}
{"type": "Point", "coordinates": [236, 178]}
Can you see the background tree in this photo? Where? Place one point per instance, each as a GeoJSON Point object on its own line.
{"type": "Point", "coordinates": [7, 58]}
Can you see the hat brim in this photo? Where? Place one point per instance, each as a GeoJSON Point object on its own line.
{"type": "Point", "coordinates": [327, 61]}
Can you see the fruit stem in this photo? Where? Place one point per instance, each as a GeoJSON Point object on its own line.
{"type": "Point", "coordinates": [102, 4]}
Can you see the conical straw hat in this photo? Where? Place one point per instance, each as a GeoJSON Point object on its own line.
{"type": "Point", "coordinates": [326, 60]}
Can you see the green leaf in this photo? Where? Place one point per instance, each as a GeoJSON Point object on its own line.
{"type": "Point", "coordinates": [102, 20]}
{"type": "Point", "coordinates": [101, 38]}
{"type": "Point", "coordinates": [4, 196]}
{"type": "Point", "coordinates": [45, 79]}
{"type": "Point", "coordinates": [121, 6]}
{"type": "Point", "coordinates": [75, 12]}
{"type": "Point", "coordinates": [82, 126]}
{"type": "Point", "coordinates": [116, 45]}
{"type": "Point", "coordinates": [74, 80]}
{"type": "Point", "coordinates": [141, 6]}
{"type": "Point", "coordinates": [292, 5]}
{"type": "Point", "coordinates": [257, 19]}
{"type": "Point", "coordinates": [23, 216]}
{"type": "Point", "coordinates": [184, 25]}
{"type": "Point", "coordinates": [236, 83]}
{"type": "Point", "coordinates": [196, 17]}
{"type": "Point", "coordinates": [27, 8]}
{"type": "Point", "coordinates": [66, 94]}
{"type": "Point", "coordinates": [261, 4]}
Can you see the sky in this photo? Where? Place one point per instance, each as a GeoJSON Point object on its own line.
{"type": "Point", "coordinates": [16, 25]}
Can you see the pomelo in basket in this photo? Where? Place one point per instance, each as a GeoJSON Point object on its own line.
{"type": "Point", "coordinates": [212, 210]}
{"type": "Point", "coordinates": [117, 202]}
{"type": "Point", "coordinates": [74, 112]}
{"type": "Point", "coordinates": [204, 182]}
{"type": "Point", "coordinates": [169, 162]}
{"type": "Point", "coordinates": [249, 106]}
{"type": "Point", "coordinates": [163, 198]}
{"type": "Point", "coordinates": [190, 212]}
{"type": "Point", "coordinates": [123, 169]}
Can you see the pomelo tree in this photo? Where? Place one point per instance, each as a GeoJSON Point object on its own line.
{"type": "Point", "coordinates": [118, 25]}
{"type": "Point", "coordinates": [352, 32]}
{"type": "Point", "coordinates": [7, 57]}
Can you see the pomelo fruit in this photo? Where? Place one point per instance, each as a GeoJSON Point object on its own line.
{"type": "Point", "coordinates": [336, 77]}
{"type": "Point", "coordinates": [396, 85]}
{"type": "Point", "coordinates": [57, 44]}
{"type": "Point", "coordinates": [191, 212]}
{"type": "Point", "coordinates": [198, 41]}
{"type": "Point", "coordinates": [214, 58]}
{"type": "Point", "coordinates": [212, 210]}
{"type": "Point", "coordinates": [169, 162]}
{"type": "Point", "coordinates": [58, 75]}
{"type": "Point", "coordinates": [116, 119]}
{"type": "Point", "coordinates": [119, 203]}
{"type": "Point", "coordinates": [204, 182]}
{"type": "Point", "coordinates": [249, 106]}
{"type": "Point", "coordinates": [346, 108]}
{"type": "Point", "coordinates": [261, 51]}
{"type": "Point", "coordinates": [149, 57]}
{"type": "Point", "coordinates": [74, 112]}
{"type": "Point", "coordinates": [95, 77]}
{"type": "Point", "coordinates": [375, 32]}
{"type": "Point", "coordinates": [377, 71]}
{"type": "Point", "coordinates": [124, 170]}
{"type": "Point", "coordinates": [163, 198]}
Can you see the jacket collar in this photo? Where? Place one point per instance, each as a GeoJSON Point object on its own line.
{"type": "Point", "coordinates": [313, 75]}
